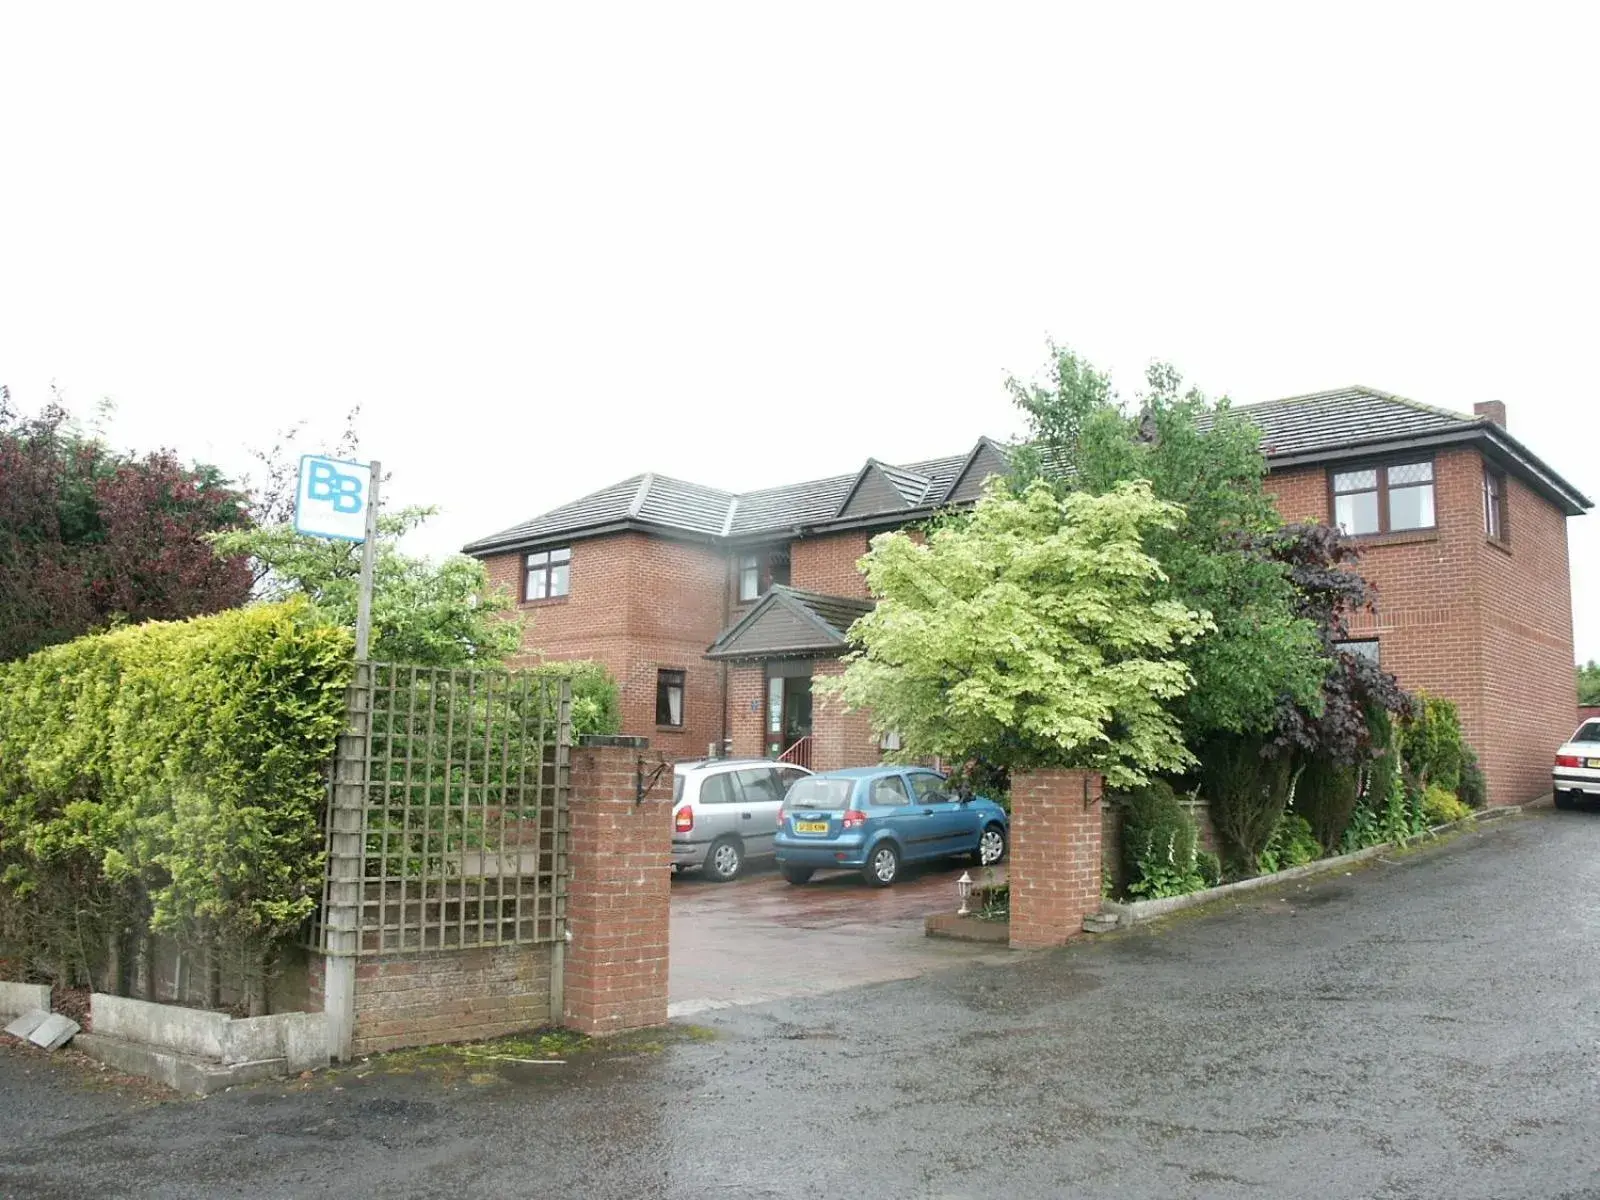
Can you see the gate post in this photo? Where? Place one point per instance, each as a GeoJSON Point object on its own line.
{"type": "Point", "coordinates": [619, 892]}
{"type": "Point", "coordinates": [341, 907]}
{"type": "Point", "coordinates": [1055, 865]}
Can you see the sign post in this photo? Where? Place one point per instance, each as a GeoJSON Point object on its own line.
{"type": "Point", "coordinates": [339, 500]}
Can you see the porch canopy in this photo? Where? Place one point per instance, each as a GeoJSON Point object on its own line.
{"type": "Point", "coordinates": [789, 623]}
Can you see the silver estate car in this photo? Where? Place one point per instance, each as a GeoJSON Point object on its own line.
{"type": "Point", "coordinates": [725, 810]}
{"type": "Point", "coordinates": [1576, 775]}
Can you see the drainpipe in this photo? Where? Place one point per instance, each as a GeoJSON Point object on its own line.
{"type": "Point", "coordinates": [727, 614]}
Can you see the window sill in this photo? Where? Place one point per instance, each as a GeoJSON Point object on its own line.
{"type": "Point", "coordinates": [546, 602]}
{"type": "Point", "coordinates": [1500, 544]}
{"type": "Point", "coordinates": [669, 728]}
{"type": "Point", "coordinates": [1404, 537]}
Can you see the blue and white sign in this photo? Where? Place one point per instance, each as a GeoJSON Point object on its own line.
{"type": "Point", "coordinates": [333, 498]}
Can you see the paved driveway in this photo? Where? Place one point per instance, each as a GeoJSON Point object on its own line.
{"type": "Point", "coordinates": [1424, 1028]}
{"type": "Point", "coordinates": [760, 938]}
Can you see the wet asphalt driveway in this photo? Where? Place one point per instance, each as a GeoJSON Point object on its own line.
{"type": "Point", "coordinates": [1423, 1028]}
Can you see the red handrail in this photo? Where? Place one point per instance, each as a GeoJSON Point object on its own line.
{"type": "Point", "coordinates": [799, 754]}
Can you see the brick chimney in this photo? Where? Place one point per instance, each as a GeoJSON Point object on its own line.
{"type": "Point", "coordinates": [1495, 410]}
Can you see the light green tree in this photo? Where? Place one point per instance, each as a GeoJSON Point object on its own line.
{"type": "Point", "coordinates": [432, 614]}
{"type": "Point", "coordinates": [1031, 634]}
{"type": "Point", "coordinates": [1589, 683]}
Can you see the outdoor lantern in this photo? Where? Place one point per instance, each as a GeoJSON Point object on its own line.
{"type": "Point", "coordinates": [964, 886]}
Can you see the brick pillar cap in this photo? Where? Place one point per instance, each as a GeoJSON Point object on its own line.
{"type": "Point", "coordinates": [620, 741]}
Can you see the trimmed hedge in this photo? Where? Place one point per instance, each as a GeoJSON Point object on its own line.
{"type": "Point", "coordinates": [167, 777]}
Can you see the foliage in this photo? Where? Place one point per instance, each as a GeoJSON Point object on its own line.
{"type": "Point", "coordinates": [90, 537]}
{"type": "Point", "coordinates": [1247, 790]}
{"type": "Point", "coordinates": [1474, 789]}
{"type": "Point", "coordinates": [440, 615]}
{"type": "Point", "coordinates": [1440, 806]}
{"type": "Point", "coordinates": [168, 775]}
{"type": "Point", "coordinates": [1292, 844]}
{"type": "Point", "coordinates": [596, 703]}
{"type": "Point", "coordinates": [1209, 866]}
{"type": "Point", "coordinates": [1389, 810]}
{"type": "Point", "coordinates": [1431, 746]}
{"type": "Point", "coordinates": [1207, 459]}
{"type": "Point", "coordinates": [1325, 797]}
{"type": "Point", "coordinates": [1158, 834]}
{"type": "Point", "coordinates": [1033, 634]}
{"type": "Point", "coordinates": [1589, 683]}
{"type": "Point", "coordinates": [1356, 691]}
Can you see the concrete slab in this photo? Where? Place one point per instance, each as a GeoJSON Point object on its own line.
{"type": "Point", "coordinates": [17, 998]}
{"type": "Point", "coordinates": [54, 1032]}
{"type": "Point", "coordinates": [180, 1072]}
{"type": "Point", "coordinates": [27, 1023]}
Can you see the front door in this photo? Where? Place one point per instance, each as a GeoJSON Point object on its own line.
{"type": "Point", "coordinates": [788, 712]}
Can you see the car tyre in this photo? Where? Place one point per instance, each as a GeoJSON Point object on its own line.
{"type": "Point", "coordinates": [992, 846]}
{"type": "Point", "coordinates": [883, 865]}
{"type": "Point", "coordinates": [797, 875]}
{"type": "Point", "coordinates": [725, 859]}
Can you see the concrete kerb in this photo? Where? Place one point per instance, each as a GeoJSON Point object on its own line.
{"type": "Point", "coordinates": [1148, 910]}
{"type": "Point", "coordinates": [191, 1050]}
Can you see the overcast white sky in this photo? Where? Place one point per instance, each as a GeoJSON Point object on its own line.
{"type": "Point", "coordinates": [546, 248]}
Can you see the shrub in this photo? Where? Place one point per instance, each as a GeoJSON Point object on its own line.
{"type": "Point", "coordinates": [1247, 792]}
{"type": "Point", "coordinates": [1326, 797]}
{"type": "Point", "coordinates": [1440, 807]}
{"type": "Point", "coordinates": [1430, 743]}
{"type": "Point", "coordinates": [1158, 843]}
{"type": "Point", "coordinates": [1474, 790]}
{"type": "Point", "coordinates": [167, 776]}
{"type": "Point", "coordinates": [1293, 844]}
{"type": "Point", "coordinates": [1209, 866]}
{"type": "Point", "coordinates": [596, 705]}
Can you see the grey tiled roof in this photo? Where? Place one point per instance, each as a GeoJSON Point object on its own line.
{"type": "Point", "coordinates": [1350, 416]}
{"type": "Point", "coordinates": [790, 622]}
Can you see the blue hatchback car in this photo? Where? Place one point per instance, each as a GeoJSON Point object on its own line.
{"type": "Point", "coordinates": [876, 819]}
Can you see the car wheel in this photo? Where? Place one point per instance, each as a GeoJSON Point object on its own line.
{"type": "Point", "coordinates": [797, 875]}
{"type": "Point", "coordinates": [991, 846]}
{"type": "Point", "coordinates": [883, 867]}
{"type": "Point", "coordinates": [725, 859]}
{"type": "Point", "coordinates": [1566, 801]}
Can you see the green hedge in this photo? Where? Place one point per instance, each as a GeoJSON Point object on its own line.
{"type": "Point", "coordinates": [167, 777]}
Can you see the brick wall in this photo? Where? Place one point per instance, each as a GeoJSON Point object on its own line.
{"type": "Point", "coordinates": [747, 692]}
{"type": "Point", "coordinates": [1586, 712]}
{"type": "Point", "coordinates": [619, 896]}
{"type": "Point", "coordinates": [828, 564]}
{"type": "Point", "coordinates": [839, 739]}
{"type": "Point", "coordinates": [1055, 855]}
{"type": "Point", "coordinates": [638, 604]}
{"type": "Point", "coordinates": [1529, 690]}
{"type": "Point", "coordinates": [1486, 626]}
{"type": "Point", "coordinates": [450, 996]}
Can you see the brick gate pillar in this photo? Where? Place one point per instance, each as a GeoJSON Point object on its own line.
{"type": "Point", "coordinates": [619, 889]}
{"type": "Point", "coordinates": [1055, 863]}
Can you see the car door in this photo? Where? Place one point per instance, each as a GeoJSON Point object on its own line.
{"type": "Point", "coordinates": [955, 825]}
{"type": "Point", "coordinates": [889, 805]}
{"type": "Point", "coordinates": [761, 796]}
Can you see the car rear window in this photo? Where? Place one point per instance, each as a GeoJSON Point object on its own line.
{"type": "Point", "coordinates": [1589, 733]}
{"type": "Point", "coordinates": [677, 788]}
{"type": "Point", "coordinates": [813, 792]}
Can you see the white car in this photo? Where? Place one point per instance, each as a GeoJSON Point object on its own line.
{"type": "Point", "coordinates": [1576, 774]}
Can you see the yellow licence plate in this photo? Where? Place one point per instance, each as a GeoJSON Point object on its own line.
{"type": "Point", "coordinates": [811, 827]}
{"type": "Point", "coordinates": [1594, 764]}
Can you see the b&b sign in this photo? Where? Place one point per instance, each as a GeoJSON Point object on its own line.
{"type": "Point", "coordinates": [332, 499]}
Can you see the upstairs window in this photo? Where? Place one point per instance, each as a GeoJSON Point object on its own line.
{"type": "Point", "coordinates": [549, 574]}
{"type": "Point", "coordinates": [1384, 499]}
{"type": "Point", "coordinates": [1494, 504]}
{"type": "Point", "coordinates": [669, 698]}
{"type": "Point", "coordinates": [749, 577]}
{"type": "Point", "coordinates": [1366, 648]}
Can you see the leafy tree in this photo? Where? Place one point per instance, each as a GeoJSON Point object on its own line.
{"type": "Point", "coordinates": [430, 614]}
{"type": "Point", "coordinates": [1206, 459]}
{"type": "Point", "coordinates": [1589, 683]}
{"type": "Point", "coordinates": [90, 537]}
{"type": "Point", "coordinates": [1035, 633]}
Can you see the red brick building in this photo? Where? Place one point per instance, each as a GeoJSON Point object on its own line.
{"type": "Point", "coordinates": [715, 611]}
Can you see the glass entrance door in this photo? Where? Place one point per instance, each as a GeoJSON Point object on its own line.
{"type": "Point", "coordinates": [788, 712]}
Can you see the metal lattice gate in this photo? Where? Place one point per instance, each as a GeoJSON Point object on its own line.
{"type": "Point", "coordinates": [447, 822]}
